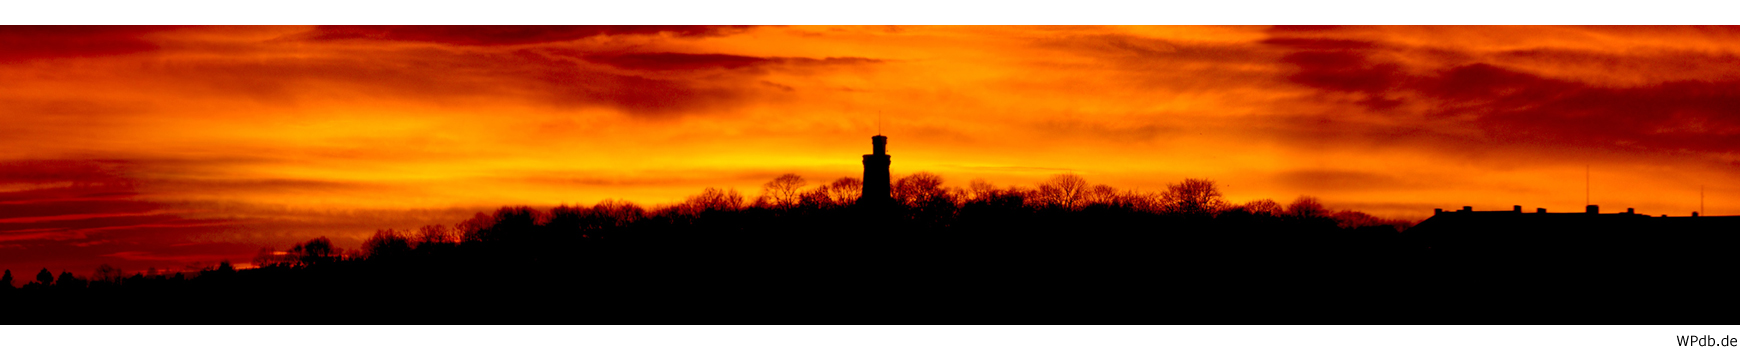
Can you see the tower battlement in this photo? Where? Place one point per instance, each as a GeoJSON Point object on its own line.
{"type": "Point", "coordinates": [876, 179]}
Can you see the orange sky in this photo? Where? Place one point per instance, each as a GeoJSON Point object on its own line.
{"type": "Point", "coordinates": [165, 146]}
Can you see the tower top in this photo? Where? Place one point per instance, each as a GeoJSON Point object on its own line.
{"type": "Point", "coordinates": [881, 144]}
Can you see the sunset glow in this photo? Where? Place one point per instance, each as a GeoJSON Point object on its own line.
{"type": "Point", "coordinates": [177, 147]}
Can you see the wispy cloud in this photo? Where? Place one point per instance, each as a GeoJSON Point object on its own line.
{"type": "Point", "coordinates": [122, 141]}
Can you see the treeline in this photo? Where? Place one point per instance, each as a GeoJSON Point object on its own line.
{"type": "Point", "coordinates": [795, 253]}
{"type": "Point", "coordinates": [1060, 252]}
{"type": "Point", "coordinates": [920, 198]}
{"type": "Point", "coordinates": [108, 277]}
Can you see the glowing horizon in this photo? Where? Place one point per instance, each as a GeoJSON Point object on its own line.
{"type": "Point", "coordinates": [165, 146]}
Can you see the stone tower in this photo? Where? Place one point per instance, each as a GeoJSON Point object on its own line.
{"type": "Point", "coordinates": [876, 174]}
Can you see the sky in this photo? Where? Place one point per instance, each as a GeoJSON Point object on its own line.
{"type": "Point", "coordinates": [177, 147]}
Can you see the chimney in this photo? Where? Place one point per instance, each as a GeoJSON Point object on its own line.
{"type": "Point", "coordinates": [1516, 209]}
{"type": "Point", "coordinates": [1436, 211]}
{"type": "Point", "coordinates": [1540, 210]}
{"type": "Point", "coordinates": [1630, 211]}
{"type": "Point", "coordinates": [1694, 214]}
{"type": "Point", "coordinates": [1466, 208]}
{"type": "Point", "coordinates": [1592, 209]}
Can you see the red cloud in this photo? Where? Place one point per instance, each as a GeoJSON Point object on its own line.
{"type": "Point", "coordinates": [1517, 107]}
{"type": "Point", "coordinates": [675, 61]}
{"type": "Point", "coordinates": [686, 61]}
{"type": "Point", "coordinates": [1342, 66]}
{"type": "Point", "coordinates": [506, 35]}
{"type": "Point", "coordinates": [40, 42]}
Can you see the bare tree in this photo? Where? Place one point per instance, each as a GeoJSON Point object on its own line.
{"type": "Point", "coordinates": [920, 187]}
{"type": "Point", "coordinates": [846, 190]}
{"type": "Point", "coordinates": [1192, 197]}
{"type": "Point", "coordinates": [473, 229]}
{"type": "Point", "coordinates": [438, 234]}
{"type": "Point", "coordinates": [1064, 190]}
{"type": "Point", "coordinates": [617, 213]}
{"type": "Point", "coordinates": [315, 251]}
{"type": "Point", "coordinates": [386, 243]}
{"type": "Point", "coordinates": [716, 199]}
{"type": "Point", "coordinates": [981, 189]}
{"type": "Point", "coordinates": [957, 195]}
{"type": "Point", "coordinates": [1145, 201]}
{"type": "Point", "coordinates": [783, 191]}
{"type": "Point", "coordinates": [817, 198]}
{"type": "Point", "coordinates": [269, 257]}
{"type": "Point", "coordinates": [108, 273]}
{"type": "Point", "coordinates": [1355, 219]}
{"type": "Point", "coordinates": [1265, 206]}
{"type": "Point", "coordinates": [1103, 194]}
{"type": "Point", "coordinates": [1307, 207]}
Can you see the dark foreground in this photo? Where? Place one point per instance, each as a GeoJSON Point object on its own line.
{"type": "Point", "coordinates": [981, 267]}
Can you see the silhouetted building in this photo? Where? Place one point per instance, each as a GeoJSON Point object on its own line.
{"type": "Point", "coordinates": [1589, 233]}
{"type": "Point", "coordinates": [876, 182]}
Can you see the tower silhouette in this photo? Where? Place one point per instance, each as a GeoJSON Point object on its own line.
{"type": "Point", "coordinates": [876, 174]}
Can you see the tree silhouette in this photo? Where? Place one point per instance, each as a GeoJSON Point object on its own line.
{"type": "Point", "coordinates": [106, 273]}
{"type": "Point", "coordinates": [982, 240]}
{"type": "Point", "coordinates": [782, 192]}
{"type": "Point", "coordinates": [845, 190]}
{"type": "Point", "coordinates": [565, 218]}
{"type": "Point", "coordinates": [1306, 207]}
{"type": "Point", "coordinates": [386, 244]}
{"type": "Point", "coordinates": [715, 200]}
{"type": "Point", "coordinates": [917, 189]}
{"type": "Point", "coordinates": [1102, 194]}
{"type": "Point", "coordinates": [1196, 197]}
{"type": "Point", "coordinates": [45, 277]}
{"type": "Point", "coordinates": [434, 234]}
{"type": "Point", "coordinates": [1353, 219]}
{"type": "Point", "coordinates": [817, 198]}
{"type": "Point", "coordinates": [269, 257]}
{"type": "Point", "coordinates": [513, 222]}
{"type": "Point", "coordinates": [979, 189]}
{"type": "Point", "coordinates": [223, 270]}
{"type": "Point", "coordinates": [1265, 207]}
{"type": "Point", "coordinates": [1064, 191]}
{"type": "Point", "coordinates": [475, 228]}
{"type": "Point", "coordinates": [68, 281]}
{"type": "Point", "coordinates": [1067, 242]}
{"type": "Point", "coordinates": [617, 213]}
{"type": "Point", "coordinates": [315, 251]}
{"type": "Point", "coordinates": [6, 281]}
